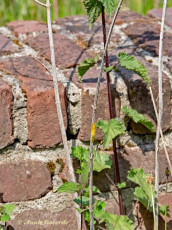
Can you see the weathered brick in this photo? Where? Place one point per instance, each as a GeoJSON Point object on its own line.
{"type": "Point", "coordinates": [67, 53]}
{"type": "Point", "coordinates": [25, 27]}
{"type": "Point", "coordinates": [7, 46]}
{"type": "Point", "coordinates": [43, 124]}
{"type": "Point", "coordinates": [140, 99]}
{"type": "Point", "coordinates": [6, 106]}
{"type": "Point", "coordinates": [43, 219]}
{"type": "Point", "coordinates": [24, 180]}
{"type": "Point", "coordinates": [146, 35]}
{"type": "Point", "coordinates": [157, 13]}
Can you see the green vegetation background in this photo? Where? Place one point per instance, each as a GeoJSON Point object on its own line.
{"type": "Point", "coordinates": [28, 10]}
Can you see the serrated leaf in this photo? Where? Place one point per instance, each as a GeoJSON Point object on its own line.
{"type": "Point", "coordinates": [138, 118]}
{"type": "Point", "coordinates": [94, 9]}
{"type": "Point", "coordinates": [115, 222]}
{"type": "Point", "coordinates": [121, 185]}
{"type": "Point", "coordinates": [69, 187]}
{"type": "Point", "coordinates": [146, 190]}
{"type": "Point", "coordinates": [111, 129]}
{"type": "Point", "coordinates": [87, 190]}
{"type": "Point", "coordinates": [131, 63]}
{"type": "Point", "coordinates": [101, 161]}
{"type": "Point", "coordinates": [109, 69]}
{"type": "Point", "coordinates": [9, 208]}
{"type": "Point", "coordinates": [164, 210]}
{"type": "Point", "coordinates": [85, 201]}
{"type": "Point", "coordinates": [80, 153]}
{"type": "Point", "coordinates": [109, 6]}
{"type": "Point", "coordinates": [5, 217]}
{"type": "Point", "coordinates": [85, 66]}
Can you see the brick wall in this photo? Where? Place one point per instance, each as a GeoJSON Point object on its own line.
{"type": "Point", "coordinates": [29, 129]}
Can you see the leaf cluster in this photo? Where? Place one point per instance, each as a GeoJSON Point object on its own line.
{"type": "Point", "coordinates": [5, 211]}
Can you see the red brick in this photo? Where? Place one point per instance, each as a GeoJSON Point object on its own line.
{"type": "Point", "coordinates": [146, 35]}
{"type": "Point", "coordinates": [7, 46]}
{"type": "Point", "coordinates": [24, 180]}
{"type": "Point", "coordinates": [25, 27]}
{"type": "Point", "coordinates": [6, 122]}
{"type": "Point", "coordinates": [67, 53]}
{"type": "Point", "coordinates": [43, 125]}
{"type": "Point", "coordinates": [44, 219]}
{"type": "Point", "coordinates": [157, 13]}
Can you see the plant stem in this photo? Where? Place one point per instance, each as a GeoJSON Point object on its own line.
{"type": "Point", "coordinates": [57, 99]}
{"type": "Point", "coordinates": [117, 172]}
{"type": "Point", "coordinates": [94, 113]}
{"type": "Point", "coordinates": [160, 66]}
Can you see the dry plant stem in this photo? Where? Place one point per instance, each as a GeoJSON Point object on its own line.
{"type": "Point", "coordinates": [117, 172]}
{"type": "Point", "coordinates": [160, 65]}
{"type": "Point", "coordinates": [94, 113]}
{"type": "Point", "coordinates": [57, 100]}
{"type": "Point", "coordinates": [161, 133]}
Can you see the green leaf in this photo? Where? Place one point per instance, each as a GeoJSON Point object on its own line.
{"type": "Point", "coordinates": [80, 153]}
{"type": "Point", "coordinates": [87, 190]}
{"type": "Point", "coordinates": [109, 6]}
{"type": "Point", "coordinates": [129, 62]}
{"type": "Point", "coordinates": [69, 187]}
{"type": "Point", "coordinates": [164, 210]}
{"type": "Point", "coordinates": [81, 210]}
{"type": "Point", "coordinates": [115, 222]}
{"type": "Point", "coordinates": [146, 190]}
{"type": "Point", "coordinates": [5, 217]}
{"type": "Point", "coordinates": [111, 129]}
{"type": "Point", "coordinates": [94, 9]}
{"type": "Point", "coordinates": [9, 208]}
{"type": "Point", "coordinates": [85, 201]}
{"type": "Point", "coordinates": [138, 118]}
{"type": "Point", "coordinates": [85, 66]}
{"type": "Point", "coordinates": [101, 161]}
{"type": "Point", "coordinates": [121, 185]}
{"type": "Point", "coordinates": [85, 168]}
{"type": "Point", "coordinates": [109, 69]}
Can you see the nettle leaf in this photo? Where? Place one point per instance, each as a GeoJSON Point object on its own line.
{"type": "Point", "coordinates": [85, 66]}
{"type": "Point", "coordinates": [85, 201]}
{"type": "Point", "coordinates": [9, 208]}
{"type": "Point", "coordinates": [109, 6]}
{"type": "Point", "coordinates": [138, 118]}
{"type": "Point", "coordinates": [131, 63]}
{"type": "Point", "coordinates": [118, 222]}
{"type": "Point", "coordinates": [121, 185]}
{"type": "Point", "coordinates": [80, 153]}
{"type": "Point", "coordinates": [164, 210]}
{"type": "Point", "coordinates": [146, 191]}
{"type": "Point", "coordinates": [101, 161]}
{"type": "Point", "coordinates": [5, 217]}
{"type": "Point", "coordinates": [94, 9]}
{"type": "Point", "coordinates": [69, 187]}
{"type": "Point", "coordinates": [111, 129]}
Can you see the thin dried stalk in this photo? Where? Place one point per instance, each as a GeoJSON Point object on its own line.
{"type": "Point", "coordinates": [57, 100]}
{"type": "Point", "coordinates": [160, 66]}
{"type": "Point", "coordinates": [94, 114]}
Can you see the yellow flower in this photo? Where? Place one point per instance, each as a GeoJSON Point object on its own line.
{"type": "Point", "coordinates": [93, 132]}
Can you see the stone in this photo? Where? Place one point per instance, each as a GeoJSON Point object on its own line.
{"type": "Point", "coordinates": [67, 53]}
{"type": "Point", "coordinates": [146, 35]}
{"type": "Point", "coordinates": [64, 170]}
{"type": "Point", "coordinates": [6, 120]}
{"type": "Point", "coordinates": [24, 180]}
{"type": "Point", "coordinates": [140, 99]}
{"type": "Point", "coordinates": [43, 219]}
{"type": "Point", "coordinates": [157, 13]}
{"type": "Point", "coordinates": [7, 46]}
{"type": "Point", "coordinates": [25, 27]}
{"type": "Point", "coordinates": [37, 84]}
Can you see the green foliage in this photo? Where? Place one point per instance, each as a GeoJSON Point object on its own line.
{"type": "Point", "coordinates": [131, 63]}
{"type": "Point", "coordinates": [95, 191]}
{"type": "Point", "coordinates": [138, 118]}
{"type": "Point", "coordinates": [145, 192]}
{"type": "Point", "coordinates": [121, 185]}
{"type": "Point", "coordinates": [111, 129]}
{"type": "Point", "coordinates": [5, 211]}
{"type": "Point", "coordinates": [94, 9]}
{"type": "Point", "coordinates": [85, 66]}
{"type": "Point", "coordinates": [109, 5]}
{"type": "Point", "coordinates": [69, 187]}
{"type": "Point", "coordinates": [110, 68]}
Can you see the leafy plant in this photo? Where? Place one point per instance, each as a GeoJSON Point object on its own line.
{"type": "Point", "coordinates": [5, 211]}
